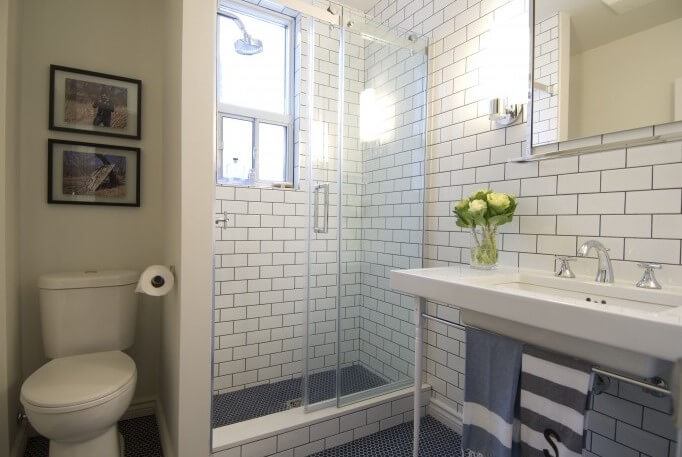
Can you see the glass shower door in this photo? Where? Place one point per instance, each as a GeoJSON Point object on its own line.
{"type": "Point", "coordinates": [321, 62]}
{"type": "Point", "coordinates": [367, 148]}
{"type": "Point", "coordinates": [382, 216]}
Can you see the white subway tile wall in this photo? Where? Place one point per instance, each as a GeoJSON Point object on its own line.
{"type": "Point", "coordinates": [609, 196]}
{"type": "Point", "coordinates": [546, 100]}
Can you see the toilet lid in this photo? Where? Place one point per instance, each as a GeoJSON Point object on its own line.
{"type": "Point", "coordinates": [78, 379]}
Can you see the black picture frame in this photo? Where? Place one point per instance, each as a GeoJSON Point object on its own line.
{"type": "Point", "coordinates": [59, 125]}
{"type": "Point", "coordinates": [52, 144]}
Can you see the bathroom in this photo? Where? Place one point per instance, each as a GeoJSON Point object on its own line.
{"type": "Point", "coordinates": [283, 335]}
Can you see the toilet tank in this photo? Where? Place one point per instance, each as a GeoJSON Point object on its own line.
{"type": "Point", "coordinates": [85, 312]}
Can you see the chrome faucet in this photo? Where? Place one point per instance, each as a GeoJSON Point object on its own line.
{"type": "Point", "coordinates": [605, 269]}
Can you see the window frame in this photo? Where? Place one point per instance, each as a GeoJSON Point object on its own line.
{"type": "Point", "coordinates": [257, 117]}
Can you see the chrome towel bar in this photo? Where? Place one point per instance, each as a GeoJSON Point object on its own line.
{"type": "Point", "coordinates": [660, 388]}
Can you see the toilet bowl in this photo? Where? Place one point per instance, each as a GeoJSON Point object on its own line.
{"type": "Point", "coordinates": [76, 402]}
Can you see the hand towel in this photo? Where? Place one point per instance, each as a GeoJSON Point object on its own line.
{"type": "Point", "coordinates": [554, 392]}
{"type": "Point", "coordinates": [491, 394]}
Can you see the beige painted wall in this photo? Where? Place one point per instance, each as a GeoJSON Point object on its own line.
{"type": "Point", "coordinates": [10, 339]}
{"type": "Point", "coordinates": [626, 84]}
{"type": "Point", "coordinates": [122, 38]}
{"type": "Point", "coordinates": [197, 159]}
{"type": "Point", "coordinates": [170, 337]}
{"type": "Point", "coordinates": [189, 144]}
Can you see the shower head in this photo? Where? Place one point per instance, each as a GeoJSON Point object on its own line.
{"type": "Point", "coordinates": [247, 45]}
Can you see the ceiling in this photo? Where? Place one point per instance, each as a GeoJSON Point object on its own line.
{"type": "Point", "coordinates": [362, 5]}
{"type": "Point", "coordinates": [594, 24]}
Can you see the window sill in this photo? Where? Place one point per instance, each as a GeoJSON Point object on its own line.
{"type": "Point", "coordinates": [263, 185]}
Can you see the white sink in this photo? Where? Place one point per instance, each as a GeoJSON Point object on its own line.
{"type": "Point", "coordinates": [616, 326]}
{"type": "Point", "coordinates": [608, 297]}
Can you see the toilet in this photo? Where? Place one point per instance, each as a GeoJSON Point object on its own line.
{"type": "Point", "coordinates": [76, 399]}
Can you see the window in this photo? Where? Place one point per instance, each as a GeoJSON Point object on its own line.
{"type": "Point", "coordinates": [255, 96]}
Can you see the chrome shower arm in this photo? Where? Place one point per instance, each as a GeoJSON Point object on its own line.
{"type": "Point", "coordinates": [236, 19]}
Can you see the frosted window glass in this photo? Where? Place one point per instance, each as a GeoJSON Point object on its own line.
{"type": "Point", "coordinates": [237, 148]}
{"type": "Point", "coordinates": [258, 81]}
{"type": "Point", "coordinates": [272, 146]}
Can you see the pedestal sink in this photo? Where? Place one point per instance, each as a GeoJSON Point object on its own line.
{"type": "Point", "coordinates": [615, 326]}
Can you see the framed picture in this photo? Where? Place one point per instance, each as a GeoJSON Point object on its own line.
{"type": "Point", "coordinates": [95, 103]}
{"type": "Point", "coordinates": [92, 174]}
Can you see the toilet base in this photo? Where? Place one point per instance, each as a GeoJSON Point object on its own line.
{"type": "Point", "coordinates": [108, 444]}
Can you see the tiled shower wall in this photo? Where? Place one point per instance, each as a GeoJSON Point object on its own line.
{"type": "Point", "coordinates": [629, 199]}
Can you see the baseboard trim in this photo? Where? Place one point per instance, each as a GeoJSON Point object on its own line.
{"type": "Point", "coordinates": [445, 413]}
{"type": "Point", "coordinates": [166, 445]}
{"type": "Point", "coordinates": [19, 445]}
{"type": "Point", "coordinates": [140, 407]}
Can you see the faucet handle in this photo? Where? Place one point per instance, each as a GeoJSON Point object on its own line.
{"type": "Point", "coordinates": [564, 270]}
{"type": "Point", "coordinates": [649, 280]}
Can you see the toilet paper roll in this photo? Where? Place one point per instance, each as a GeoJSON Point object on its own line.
{"type": "Point", "coordinates": [155, 280]}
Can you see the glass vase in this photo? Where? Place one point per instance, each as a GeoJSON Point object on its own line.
{"type": "Point", "coordinates": [484, 253]}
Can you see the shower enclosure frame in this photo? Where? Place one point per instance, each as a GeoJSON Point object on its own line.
{"type": "Point", "coordinates": [342, 23]}
{"type": "Point", "coordinates": [348, 20]}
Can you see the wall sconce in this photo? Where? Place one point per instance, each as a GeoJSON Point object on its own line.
{"type": "Point", "coordinates": [503, 74]}
{"type": "Point", "coordinates": [504, 113]}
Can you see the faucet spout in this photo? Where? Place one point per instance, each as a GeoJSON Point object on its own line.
{"type": "Point", "coordinates": [605, 268]}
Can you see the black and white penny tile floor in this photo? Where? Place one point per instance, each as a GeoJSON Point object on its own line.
{"type": "Point", "coordinates": [141, 436]}
{"type": "Point", "coordinates": [435, 440]}
{"type": "Point", "coordinates": [259, 401]}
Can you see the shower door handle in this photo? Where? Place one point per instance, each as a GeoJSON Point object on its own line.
{"type": "Point", "coordinates": [316, 214]}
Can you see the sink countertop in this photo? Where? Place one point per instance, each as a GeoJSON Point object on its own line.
{"type": "Point", "coordinates": [644, 321]}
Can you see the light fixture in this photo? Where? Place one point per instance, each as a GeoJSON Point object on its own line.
{"type": "Point", "coordinates": [504, 113]}
{"type": "Point", "coordinates": [505, 62]}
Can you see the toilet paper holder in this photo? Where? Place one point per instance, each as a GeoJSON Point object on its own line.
{"type": "Point", "coordinates": [156, 280]}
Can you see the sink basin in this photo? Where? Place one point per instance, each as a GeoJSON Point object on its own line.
{"type": "Point", "coordinates": [616, 326]}
{"type": "Point", "coordinates": [608, 297]}
{"type": "Point", "coordinates": [600, 300]}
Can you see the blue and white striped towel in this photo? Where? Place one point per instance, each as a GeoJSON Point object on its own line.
{"type": "Point", "coordinates": [554, 392]}
{"type": "Point", "coordinates": [491, 395]}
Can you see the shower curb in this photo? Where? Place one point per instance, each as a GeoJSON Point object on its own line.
{"type": "Point", "coordinates": [318, 430]}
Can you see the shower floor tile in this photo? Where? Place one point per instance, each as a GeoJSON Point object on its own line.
{"type": "Point", "coordinates": [435, 440]}
{"type": "Point", "coordinates": [141, 436]}
{"type": "Point", "coordinates": [258, 401]}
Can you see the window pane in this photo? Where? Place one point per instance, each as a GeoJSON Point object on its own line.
{"type": "Point", "coordinates": [272, 150]}
{"type": "Point", "coordinates": [253, 81]}
{"type": "Point", "coordinates": [237, 148]}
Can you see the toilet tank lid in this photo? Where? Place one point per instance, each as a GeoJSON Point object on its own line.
{"type": "Point", "coordinates": [87, 279]}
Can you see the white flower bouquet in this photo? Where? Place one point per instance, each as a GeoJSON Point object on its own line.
{"type": "Point", "coordinates": [483, 212]}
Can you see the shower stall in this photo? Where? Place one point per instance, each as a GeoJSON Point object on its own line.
{"type": "Point", "coordinates": [304, 317]}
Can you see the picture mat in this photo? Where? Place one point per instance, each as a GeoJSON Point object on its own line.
{"type": "Point", "coordinates": [60, 77]}
{"type": "Point", "coordinates": [57, 171]}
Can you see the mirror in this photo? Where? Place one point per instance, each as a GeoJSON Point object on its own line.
{"type": "Point", "coordinates": [603, 66]}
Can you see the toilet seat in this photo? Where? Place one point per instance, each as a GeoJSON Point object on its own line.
{"type": "Point", "coordinates": [79, 382]}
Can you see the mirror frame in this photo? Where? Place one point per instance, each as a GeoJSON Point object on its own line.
{"type": "Point", "coordinates": [648, 134]}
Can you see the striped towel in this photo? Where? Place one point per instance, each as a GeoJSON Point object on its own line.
{"type": "Point", "coordinates": [491, 395]}
{"type": "Point", "coordinates": [554, 390]}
